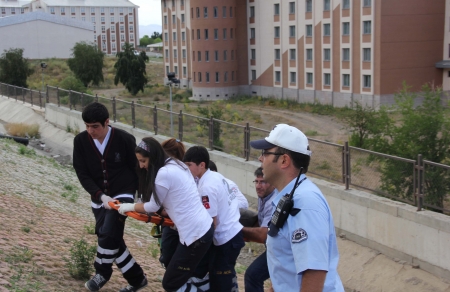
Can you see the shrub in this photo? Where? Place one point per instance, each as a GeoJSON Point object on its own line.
{"type": "Point", "coordinates": [22, 130]}
{"type": "Point", "coordinates": [82, 255]}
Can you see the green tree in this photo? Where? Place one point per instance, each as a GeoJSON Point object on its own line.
{"type": "Point", "coordinates": [130, 69]}
{"type": "Point", "coordinates": [14, 68]}
{"type": "Point", "coordinates": [423, 129]}
{"type": "Point", "coordinates": [156, 35]}
{"type": "Point", "coordinates": [217, 113]}
{"type": "Point", "coordinates": [145, 40]}
{"type": "Point", "coordinates": [87, 63]}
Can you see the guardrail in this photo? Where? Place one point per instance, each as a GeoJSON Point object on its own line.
{"type": "Point", "coordinates": [424, 184]}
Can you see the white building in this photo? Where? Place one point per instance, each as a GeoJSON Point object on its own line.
{"type": "Point", "coordinates": [114, 21]}
{"type": "Point", "coordinates": [43, 35]}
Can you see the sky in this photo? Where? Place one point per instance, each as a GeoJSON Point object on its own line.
{"type": "Point", "coordinates": [149, 11]}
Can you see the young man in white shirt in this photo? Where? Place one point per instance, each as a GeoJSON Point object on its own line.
{"type": "Point", "coordinates": [222, 205]}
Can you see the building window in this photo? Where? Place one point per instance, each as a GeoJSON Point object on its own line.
{"type": "Point", "coordinates": [199, 56]}
{"type": "Point", "coordinates": [112, 19]}
{"type": "Point", "coordinates": [92, 10]}
{"type": "Point", "coordinates": [231, 11]}
{"type": "Point", "coordinates": [252, 11]}
{"type": "Point", "coordinates": [205, 12]}
{"type": "Point", "coordinates": [225, 77]}
{"type": "Point", "coordinates": [291, 54]}
{"type": "Point", "coordinates": [93, 19]}
{"type": "Point", "coordinates": [198, 34]}
{"type": "Point", "coordinates": [103, 28]}
{"type": "Point", "coordinates": [367, 3]}
{"type": "Point", "coordinates": [224, 11]}
{"type": "Point", "coordinates": [253, 54]}
{"type": "Point", "coordinates": [326, 54]}
{"type": "Point", "coordinates": [121, 19]}
{"type": "Point", "coordinates": [346, 28]}
{"type": "Point", "coordinates": [224, 33]}
{"type": "Point", "coordinates": [102, 19]}
{"type": "Point", "coordinates": [292, 31]}
{"type": "Point", "coordinates": [113, 46]}
{"type": "Point", "coordinates": [367, 26]}
{"type": "Point", "coordinates": [277, 54]}
{"type": "Point", "coordinates": [309, 30]}
{"type": "Point", "coordinates": [293, 78]}
{"type": "Point", "coordinates": [184, 71]}
{"type": "Point", "coordinates": [346, 54]}
{"type": "Point", "coordinates": [366, 54]}
{"type": "Point", "coordinates": [309, 54]}
{"type": "Point", "coordinates": [62, 10]}
{"type": "Point", "coordinates": [173, 19]}
{"type": "Point", "coordinates": [216, 11]}
{"type": "Point", "coordinates": [82, 9]}
{"type": "Point", "coordinates": [326, 5]}
{"type": "Point", "coordinates": [111, 10]}
{"type": "Point", "coordinates": [253, 74]}
{"type": "Point", "coordinates": [252, 33]}
{"type": "Point", "coordinates": [52, 10]}
{"type": "Point", "coordinates": [327, 79]}
{"type": "Point", "coordinates": [206, 34]}
{"type": "Point", "coordinates": [113, 37]}
{"type": "Point", "coordinates": [122, 28]}
{"type": "Point", "coordinates": [367, 81]}
{"type": "Point", "coordinates": [72, 9]}
{"type": "Point", "coordinates": [197, 12]}
{"type": "Point", "coordinates": [291, 7]}
{"type": "Point", "coordinates": [277, 31]}
{"type": "Point", "coordinates": [308, 5]}
{"type": "Point", "coordinates": [326, 29]}
{"type": "Point", "coordinates": [103, 37]}
{"type": "Point", "coordinates": [345, 4]}
{"type": "Point", "coordinates": [217, 76]}
{"type": "Point", "coordinates": [175, 69]}
{"type": "Point", "coordinates": [225, 55]}
{"type": "Point", "coordinates": [182, 18]}
{"type": "Point", "coordinates": [83, 18]}
{"type": "Point", "coordinates": [183, 36]}
{"type": "Point", "coordinates": [102, 9]}
{"type": "Point", "coordinates": [166, 36]}
{"type": "Point", "coordinates": [276, 9]}
{"type": "Point", "coordinates": [216, 56]}
{"type": "Point", "coordinates": [182, 3]}
{"type": "Point", "coordinates": [346, 80]}
{"type": "Point", "coordinates": [113, 28]}
{"type": "Point", "coordinates": [216, 34]}
{"type": "Point", "coordinates": [277, 76]}
{"type": "Point", "coordinates": [206, 56]}
{"type": "Point", "coordinates": [309, 78]}
{"type": "Point", "coordinates": [193, 55]}
{"type": "Point", "coordinates": [199, 76]}
{"type": "Point", "coordinates": [173, 3]}
{"type": "Point", "coordinates": [207, 77]}
{"type": "Point", "coordinates": [174, 36]}
{"type": "Point", "coordinates": [166, 53]}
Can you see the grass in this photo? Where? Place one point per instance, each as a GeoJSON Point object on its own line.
{"type": "Point", "coordinates": [22, 130]}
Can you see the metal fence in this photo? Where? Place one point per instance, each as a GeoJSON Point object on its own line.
{"type": "Point", "coordinates": [421, 183]}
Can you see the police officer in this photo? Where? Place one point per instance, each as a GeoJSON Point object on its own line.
{"type": "Point", "coordinates": [302, 253]}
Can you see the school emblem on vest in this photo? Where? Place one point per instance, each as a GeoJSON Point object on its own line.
{"type": "Point", "coordinates": [205, 201]}
{"type": "Point", "coordinates": [117, 158]}
{"type": "Point", "coordinates": [299, 235]}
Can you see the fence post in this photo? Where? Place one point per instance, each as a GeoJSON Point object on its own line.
{"type": "Point", "coordinates": [418, 181]}
{"type": "Point", "coordinates": [7, 91]}
{"type": "Point", "coordinates": [23, 95]}
{"type": "Point", "coordinates": [47, 98]}
{"type": "Point", "coordinates": [31, 97]}
{"type": "Point", "coordinates": [155, 120]}
{"type": "Point", "coordinates": [346, 175]}
{"type": "Point", "coordinates": [247, 142]}
{"type": "Point", "coordinates": [70, 99]}
{"type": "Point", "coordinates": [96, 97]}
{"type": "Point", "coordinates": [211, 133]}
{"type": "Point", "coordinates": [114, 108]}
{"type": "Point", "coordinates": [82, 98]}
{"type": "Point", "coordinates": [40, 99]}
{"type": "Point", "coordinates": [57, 96]}
{"type": "Point", "coordinates": [133, 115]}
{"type": "Point", "coordinates": [15, 92]}
{"type": "Point", "coordinates": [180, 126]}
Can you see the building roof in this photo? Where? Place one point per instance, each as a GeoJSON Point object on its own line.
{"type": "Point", "coordinates": [39, 15]}
{"type": "Point", "coordinates": [90, 3]}
{"type": "Point", "coordinates": [15, 4]}
{"type": "Point", "coordinates": [157, 45]}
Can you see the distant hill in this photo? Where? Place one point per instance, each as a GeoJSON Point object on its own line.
{"type": "Point", "coordinates": [149, 29]}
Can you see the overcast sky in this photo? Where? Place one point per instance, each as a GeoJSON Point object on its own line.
{"type": "Point", "coordinates": [149, 11]}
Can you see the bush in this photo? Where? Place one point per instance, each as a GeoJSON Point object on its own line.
{"type": "Point", "coordinates": [22, 130]}
{"type": "Point", "coordinates": [82, 255]}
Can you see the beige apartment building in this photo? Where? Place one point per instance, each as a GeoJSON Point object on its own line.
{"type": "Point", "coordinates": [114, 21]}
{"type": "Point", "coordinates": [328, 51]}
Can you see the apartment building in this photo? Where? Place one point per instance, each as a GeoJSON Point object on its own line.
{"type": "Point", "coordinates": [328, 51]}
{"type": "Point", "coordinates": [114, 21]}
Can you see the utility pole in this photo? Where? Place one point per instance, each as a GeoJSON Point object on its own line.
{"type": "Point", "coordinates": [172, 81]}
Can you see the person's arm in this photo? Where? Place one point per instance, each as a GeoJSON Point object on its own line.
{"type": "Point", "coordinates": [255, 234]}
{"type": "Point", "coordinates": [215, 221]}
{"type": "Point", "coordinates": [313, 280]}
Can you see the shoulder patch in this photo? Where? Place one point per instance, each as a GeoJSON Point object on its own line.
{"type": "Point", "coordinates": [205, 201]}
{"type": "Point", "coordinates": [299, 235]}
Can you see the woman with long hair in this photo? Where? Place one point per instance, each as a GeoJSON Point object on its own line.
{"type": "Point", "coordinates": [170, 186]}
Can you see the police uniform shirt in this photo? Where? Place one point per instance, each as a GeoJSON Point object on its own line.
{"type": "Point", "coordinates": [220, 202]}
{"type": "Point", "coordinates": [265, 209]}
{"type": "Point", "coordinates": [306, 241]}
{"type": "Point", "coordinates": [178, 194]}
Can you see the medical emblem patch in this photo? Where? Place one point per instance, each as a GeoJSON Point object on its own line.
{"type": "Point", "coordinates": [299, 235]}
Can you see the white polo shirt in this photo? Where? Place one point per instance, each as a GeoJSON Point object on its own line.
{"type": "Point", "coordinates": [178, 194]}
{"type": "Point", "coordinates": [306, 241]}
{"type": "Point", "coordinates": [220, 201]}
{"type": "Point", "coordinates": [242, 200]}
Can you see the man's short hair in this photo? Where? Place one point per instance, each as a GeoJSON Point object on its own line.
{"type": "Point", "coordinates": [197, 155]}
{"type": "Point", "coordinates": [258, 172]}
{"type": "Point", "coordinates": [298, 159]}
{"type": "Point", "coordinates": [95, 112]}
{"type": "Point", "coordinates": [212, 166]}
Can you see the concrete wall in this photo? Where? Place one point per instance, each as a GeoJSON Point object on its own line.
{"type": "Point", "coordinates": [42, 39]}
{"type": "Point", "coordinates": [393, 228]}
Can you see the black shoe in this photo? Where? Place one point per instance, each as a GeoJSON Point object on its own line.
{"type": "Point", "coordinates": [130, 288]}
{"type": "Point", "coordinates": [96, 283]}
